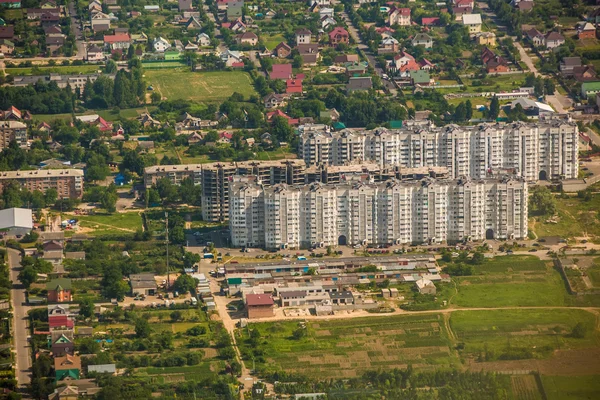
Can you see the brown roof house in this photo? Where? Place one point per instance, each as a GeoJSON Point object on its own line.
{"type": "Point", "coordinates": [282, 50]}
{"type": "Point", "coordinates": [67, 367]}
{"type": "Point", "coordinates": [259, 305]}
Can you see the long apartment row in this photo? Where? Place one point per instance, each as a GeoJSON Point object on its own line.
{"type": "Point", "coordinates": [535, 151]}
{"type": "Point", "coordinates": [67, 182]}
{"type": "Point", "coordinates": [394, 212]}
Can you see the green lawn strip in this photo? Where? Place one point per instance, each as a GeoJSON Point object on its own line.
{"type": "Point", "coordinates": [116, 223]}
{"type": "Point", "coordinates": [531, 333]}
{"type": "Point", "coordinates": [58, 69]}
{"type": "Point", "coordinates": [571, 387]}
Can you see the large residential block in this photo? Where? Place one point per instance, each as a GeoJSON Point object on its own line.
{"type": "Point", "coordinates": [394, 212]}
{"type": "Point", "coordinates": [12, 130]}
{"type": "Point", "coordinates": [535, 151]}
{"type": "Point", "coordinates": [67, 182]}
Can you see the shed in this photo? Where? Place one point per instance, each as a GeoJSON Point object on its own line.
{"type": "Point", "coordinates": [259, 305]}
{"type": "Point", "coordinates": [16, 221]}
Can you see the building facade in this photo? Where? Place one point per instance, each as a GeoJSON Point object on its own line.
{"type": "Point", "coordinates": [12, 130]}
{"type": "Point", "coordinates": [392, 212]}
{"type": "Point", "coordinates": [535, 151]}
{"type": "Point", "coordinates": [67, 182]}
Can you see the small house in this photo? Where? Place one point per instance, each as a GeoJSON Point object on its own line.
{"type": "Point", "coordinates": [281, 71]}
{"type": "Point", "coordinates": [339, 36]}
{"type": "Point", "coordinates": [341, 298]}
{"type": "Point", "coordinates": [143, 283]}
{"type": "Point", "coordinates": [67, 367]}
{"type": "Point", "coordinates": [303, 36]}
{"type": "Point", "coordinates": [59, 290]}
{"type": "Point", "coordinates": [359, 84]}
{"type": "Point", "coordinates": [425, 286]}
{"type": "Point", "coordinates": [282, 50]}
{"type": "Point", "coordinates": [259, 305]}
{"type": "Point", "coordinates": [472, 22]}
{"type": "Point", "coordinates": [422, 39]}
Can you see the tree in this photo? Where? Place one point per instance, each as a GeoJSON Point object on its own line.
{"type": "Point", "coordinates": [142, 328]}
{"type": "Point", "coordinates": [297, 61]}
{"type": "Point", "coordinates": [478, 258]}
{"type": "Point", "coordinates": [109, 198]}
{"type": "Point", "coordinates": [579, 331]}
{"type": "Point", "coordinates": [460, 113]}
{"type": "Point", "coordinates": [185, 283]}
{"type": "Point", "coordinates": [86, 308]}
{"type": "Point", "coordinates": [299, 333]}
{"type": "Point", "coordinates": [549, 86]}
{"type": "Point", "coordinates": [176, 316]}
{"type": "Point", "coordinates": [469, 110]}
{"type": "Point", "coordinates": [543, 201]}
{"type": "Point", "coordinates": [50, 196]}
{"type": "Point", "coordinates": [27, 276]}
{"type": "Point", "coordinates": [494, 110]}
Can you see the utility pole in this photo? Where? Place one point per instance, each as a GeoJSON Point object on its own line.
{"type": "Point", "coordinates": [167, 230]}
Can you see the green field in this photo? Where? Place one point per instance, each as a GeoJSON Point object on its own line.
{"type": "Point", "coordinates": [511, 281]}
{"type": "Point", "coordinates": [572, 387]}
{"type": "Point", "coordinates": [109, 115]}
{"type": "Point", "coordinates": [199, 86]}
{"type": "Point", "coordinates": [105, 224]}
{"type": "Point", "coordinates": [59, 69]}
{"type": "Point", "coordinates": [272, 40]}
{"type": "Point", "coordinates": [496, 83]}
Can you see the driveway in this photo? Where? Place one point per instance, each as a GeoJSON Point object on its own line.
{"type": "Point", "coordinates": [20, 321]}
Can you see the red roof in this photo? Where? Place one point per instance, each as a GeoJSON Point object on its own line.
{"type": "Point", "coordinates": [402, 11]}
{"type": "Point", "coordinates": [338, 30]}
{"type": "Point", "coordinates": [237, 65]}
{"type": "Point", "coordinates": [430, 21]}
{"type": "Point", "coordinates": [383, 29]}
{"type": "Point", "coordinates": [259, 300]}
{"type": "Point", "coordinates": [56, 321]}
{"type": "Point", "coordinates": [120, 37]}
{"type": "Point", "coordinates": [281, 71]}
{"type": "Point", "coordinates": [226, 134]}
{"type": "Point", "coordinates": [103, 125]}
{"type": "Point", "coordinates": [279, 113]}
{"type": "Point", "coordinates": [410, 66]}
{"type": "Point", "coordinates": [293, 86]}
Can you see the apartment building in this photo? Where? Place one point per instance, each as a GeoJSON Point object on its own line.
{"type": "Point", "coordinates": [394, 212]}
{"type": "Point", "coordinates": [544, 150]}
{"type": "Point", "coordinates": [67, 182]}
{"type": "Point", "coordinates": [12, 130]}
{"type": "Point", "coordinates": [62, 81]}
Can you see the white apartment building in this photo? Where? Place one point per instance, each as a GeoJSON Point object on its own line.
{"type": "Point", "coordinates": [535, 151]}
{"type": "Point", "coordinates": [427, 211]}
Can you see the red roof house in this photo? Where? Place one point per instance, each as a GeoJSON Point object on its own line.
{"type": "Point", "coordinates": [293, 86]}
{"type": "Point", "coordinates": [259, 305]}
{"type": "Point", "coordinates": [278, 113]}
{"type": "Point", "coordinates": [59, 321]}
{"type": "Point", "coordinates": [281, 71]}
{"type": "Point", "coordinates": [339, 35]}
{"type": "Point", "coordinates": [430, 21]}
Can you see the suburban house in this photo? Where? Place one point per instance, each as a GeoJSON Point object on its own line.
{"type": "Point", "coordinates": [143, 283]}
{"type": "Point", "coordinates": [184, 5]}
{"type": "Point", "coordinates": [160, 45]}
{"type": "Point", "coordinates": [238, 25]}
{"type": "Point", "coordinates": [388, 45]}
{"type": "Point", "coordinates": [585, 30]}
{"type": "Point", "coordinates": [117, 42]}
{"type": "Point", "coordinates": [7, 32]}
{"type": "Point", "coordinates": [464, 3]}
{"type": "Point", "coordinates": [430, 21]}
{"type": "Point", "coordinates": [326, 12]}
{"type": "Point", "coordinates": [100, 22]}
{"type": "Point", "coordinates": [60, 322]}
{"type": "Point", "coordinates": [309, 53]}
{"type": "Point", "coordinates": [6, 46]}
{"type": "Point", "coordinates": [458, 12]}
{"type": "Point", "coordinates": [420, 77]}
{"type": "Point", "coordinates": [554, 39]}
{"type": "Point", "coordinates": [275, 100]}
{"type": "Point", "coordinates": [327, 21]}
{"type": "Point", "coordinates": [567, 64]}
{"type": "Point", "coordinates": [190, 46]}
{"type": "Point", "coordinates": [589, 89]}
{"type": "Point", "coordinates": [359, 84]}
{"type": "Point", "coordinates": [399, 16]}
{"type": "Point", "coordinates": [486, 39]}
{"type": "Point", "coordinates": [338, 35]}
{"type": "Point", "coordinates": [10, 3]}
{"type": "Point", "coordinates": [293, 86]}
{"type": "Point", "coordinates": [281, 71]}
{"type": "Point", "coordinates": [282, 50]}
{"type": "Point", "coordinates": [59, 291]}
{"type": "Point", "coordinates": [203, 40]}
{"type": "Point", "coordinates": [524, 5]}
{"type": "Point", "coordinates": [65, 393]}
{"type": "Point", "coordinates": [493, 63]}
{"type": "Point", "coordinates": [259, 305]}
{"type": "Point", "coordinates": [232, 58]}
{"type": "Point", "coordinates": [346, 58]}
{"type": "Point", "coordinates": [193, 24]}
{"type": "Point", "coordinates": [422, 39]}
{"type": "Point", "coordinates": [536, 37]}
{"type": "Point", "coordinates": [473, 22]}
{"type": "Point", "coordinates": [248, 38]}
{"type": "Point", "coordinates": [67, 367]}
{"type": "Point", "coordinates": [270, 117]}
{"type": "Point", "coordinates": [62, 346]}
{"type": "Point", "coordinates": [94, 53]}
{"type": "Point", "coordinates": [356, 68]}
{"type": "Point", "coordinates": [425, 286]}
{"type": "Point", "coordinates": [585, 73]}
{"type": "Point", "coordinates": [110, 369]}
{"type": "Point", "coordinates": [303, 36]}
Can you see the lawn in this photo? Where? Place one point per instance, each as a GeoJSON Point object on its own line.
{"type": "Point", "coordinates": [511, 281]}
{"type": "Point", "coordinates": [572, 387]}
{"type": "Point", "coordinates": [199, 86]}
{"type": "Point", "coordinates": [520, 334]}
{"type": "Point", "coordinates": [59, 69]}
{"type": "Point", "coordinates": [346, 348]}
{"type": "Point", "coordinates": [272, 40]}
{"type": "Point", "coordinates": [103, 224]}
{"type": "Point", "coordinates": [494, 83]}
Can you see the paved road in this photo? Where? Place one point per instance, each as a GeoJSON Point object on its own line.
{"type": "Point", "coordinates": [76, 30]}
{"type": "Point", "coordinates": [20, 322]}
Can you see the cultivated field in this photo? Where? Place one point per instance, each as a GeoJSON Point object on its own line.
{"type": "Point", "coordinates": [511, 281]}
{"type": "Point", "coordinates": [572, 387]}
{"type": "Point", "coordinates": [199, 86]}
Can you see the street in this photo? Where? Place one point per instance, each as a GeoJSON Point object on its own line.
{"type": "Point", "coordinates": [20, 329]}
{"type": "Point", "coordinates": [76, 31]}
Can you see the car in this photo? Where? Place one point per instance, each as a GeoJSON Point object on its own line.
{"type": "Point", "coordinates": [509, 251]}
{"type": "Point", "coordinates": [384, 76]}
{"type": "Point", "coordinates": [533, 250]}
{"type": "Point", "coordinates": [197, 233]}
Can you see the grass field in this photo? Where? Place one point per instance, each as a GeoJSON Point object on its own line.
{"type": "Point", "coordinates": [511, 281]}
{"type": "Point", "coordinates": [203, 86]}
{"type": "Point", "coordinates": [496, 83]}
{"type": "Point", "coordinates": [59, 69]}
{"type": "Point", "coordinates": [513, 334]}
{"type": "Point", "coordinates": [575, 217]}
{"type": "Point", "coordinates": [572, 387]}
{"type": "Point", "coordinates": [272, 40]}
{"type": "Point", "coordinates": [109, 115]}
{"type": "Point", "coordinates": [104, 224]}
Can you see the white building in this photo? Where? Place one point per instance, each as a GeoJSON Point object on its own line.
{"type": "Point", "coordinates": [473, 22]}
{"type": "Point", "coordinates": [393, 212]}
{"type": "Point", "coordinates": [535, 151]}
{"type": "Point", "coordinates": [16, 221]}
{"type": "Point", "coordinates": [160, 45]}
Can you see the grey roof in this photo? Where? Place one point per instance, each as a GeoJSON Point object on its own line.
{"type": "Point", "coordinates": [75, 255]}
{"type": "Point", "coordinates": [52, 235]}
{"type": "Point", "coordinates": [103, 368]}
{"type": "Point", "coordinates": [16, 218]}
{"type": "Point", "coordinates": [360, 83]}
{"type": "Point", "coordinates": [341, 295]}
{"type": "Point", "coordinates": [293, 293]}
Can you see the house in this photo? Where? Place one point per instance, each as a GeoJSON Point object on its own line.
{"type": "Point", "coordinates": [458, 12]}
{"type": "Point", "coordinates": [110, 369]}
{"type": "Point", "coordinates": [94, 53]}
{"type": "Point", "coordinates": [464, 3]}
{"type": "Point", "coordinates": [275, 100]}
{"type": "Point", "coordinates": [422, 39]}
{"type": "Point", "coordinates": [585, 30]}
{"type": "Point", "coordinates": [359, 84]}
{"type": "Point", "coordinates": [238, 25]}
{"type": "Point", "coordinates": [203, 40]}
{"type": "Point", "coordinates": [303, 36]}
{"type": "Point", "coordinates": [425, 286]}
{"type": "Point", "coordinates": [10, 3]}
{"type": "Point", "coordinates": [146, 121]}
{"type": "Point", "coordinates": [7, 32]}
{"type": "Point", "coordinates": [54, 44]}
{"type": "Point", "coordinates": [6, 46]}
{"type": "Point", "coordinates": [193, 24]}
{"type": "Point", "coordinates": [309, 53]}
{"type": "Point", "coordinates": [531, 107]}
{"type": "Point", "coordinates": [143, 283]}
{"type": "Point", "coordinates": [59, 291]}
{"type": "Point", "coordinates": [585, 142]}
{"type": "Point", "coordinates": [584, 73]}
{"type": "Point", "coordinates": [248, 38]}
{"type": "Point", "coordinates": [60, 322]}
{"type": "Point", "coordinates": [430, 21]}
{"type": "Point", "coordinates": [332, 114]}
{"type": "Point", "coordinates": [120, 41]}
{"type": "Point", "coordinates": [190, 46]}
{"type": "Point", "coordinates": [525, 6]}
{"type": "Point", "coordinates": [278, 113]}
{"type": "Point", "coordinates": [232, 58]}
{"type": "Point", "coordinates": [281, 71]}
{"type": "Point", "coordinates": [16, 221]}
{"type": "Point", "coordinates": [356, 68]}
{"type": "Point", "coordinates": [282, 50]}
{"type": "Point", "coordinates": [326, 12]}
{"type": "Point", "coordinates": [486, 39]}
{"type": "Point", "coordinates": [194, 138]}
{"type": "Point", "coordinates": [52, 245]}
{"type": "Point", "coordinates": [493, 62]}
{"type": "Point", "coordinates": [341, 298]}
{"type": "Point", "coordinates": [553, 40]}
{"type": "Point", "coordinates": [420, 78]}
{"type": "Point", "coordinates": [100, 22]}
{"type": "Point", "coordinates": [472, 22]}
{"type": "Point", "coordinates": [536, 37]}
{"type": "Point", "coordinates": [259, 305]}
{"type": "Point", "coordinates": [346, 58]}
{"type": "Point", "coordinates": [338, 36]}
{"type": "Point", "coordinates": [589, 89]}
{"type": "Point", "coordinates": [234, 10]}
{"type": "Point", "coordinates": [567, 65]}
{"type": "Point", "coordinates": [67, 367]}
{"type": "Point", "coordinates": [426, 65]}
{"type": "Point", "coordinates": [65, 393]}
{"type": "Point", "coordinates": [152, 8]}
{"type": "Point", "coordinates": [225, 137]}
{"type": "Point", "coordinates": [62, 346]}
{"type": "Point", "coordinates": [160, 45]}
{"type": "Point", "coordinates": [293, 86]}
{"type": "Point", "coordinates": [327, 22]}
{"type": "Point", "coordinates": [399, 16]}
{"type": "Point", "coordinates": [184, 5]}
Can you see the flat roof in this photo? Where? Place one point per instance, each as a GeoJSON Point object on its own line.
{"type": "Point", "coordinates": [259, 300]}
{"type": "Point", "coordinates": [45, 173]}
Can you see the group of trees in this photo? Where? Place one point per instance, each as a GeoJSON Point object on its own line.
{"type": "Point", "coordinates": [127, 90]}
{"type": "Point", "coordinates": [106, 196]}
{"type": "Point", "coordinates": [542, 201]}
{"type": "Point", "coordinates": [14, 195]}
{"type": "Point", "coordinates": [39, 98]}
{"type": "Point", "coordinates": [165, 192]}
{"type": "Point", "coordinates": [31, 268]}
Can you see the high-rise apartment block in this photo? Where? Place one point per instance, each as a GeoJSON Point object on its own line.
{"type": "Point", "coordinates": [394, 212]}
{"type": "Point", "coordinates": [542, 150]}
{"type": "Point", "coordinates": [12, 130]}
{"type": "Point", "coordinates": [67, 182]}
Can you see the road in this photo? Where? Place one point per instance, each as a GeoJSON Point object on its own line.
{"type": "Point", "coordinates": [20, 322]}
{"type": "Point", "coordinates": [76, 31]}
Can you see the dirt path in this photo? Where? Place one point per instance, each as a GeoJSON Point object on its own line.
{"type": "Point", "coordinates": [107, 225]}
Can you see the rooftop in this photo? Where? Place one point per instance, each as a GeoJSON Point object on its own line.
{"type": "Point", "coordinates": [259, 300]}
{"type": "Point", "coordinates": [46, 173]}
